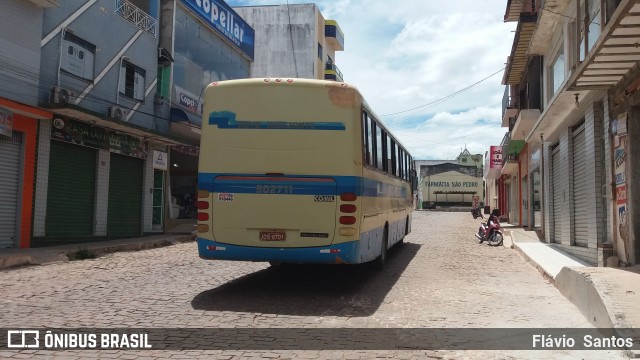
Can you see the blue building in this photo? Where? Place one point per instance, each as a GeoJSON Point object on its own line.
{"type": "Point", "coordinates": [115, 90]}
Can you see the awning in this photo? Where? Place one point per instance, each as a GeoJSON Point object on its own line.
{"type": "Point", "coordinates": [25, 110]}
{"type": "Point", "coordinates": [179, 115]}
{"type": "Point", "coordinates": [185, 124]}
{"type": "Point", "coordinates": [614, 54]}
{"type": "Point", "coordinates": [519, 58]}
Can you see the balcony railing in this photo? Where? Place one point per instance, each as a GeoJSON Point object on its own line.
{"type": "Point", "coordinates": [508, 101]}
{"type": "Point", "coordinates": [137, 17]}
{"type": "Point", "coordinates": [331, 72]}
{"type": "Point", "coordinates": [509, 158]}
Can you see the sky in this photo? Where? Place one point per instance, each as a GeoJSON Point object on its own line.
{"type": "Point", "coordinates": [431, 70]}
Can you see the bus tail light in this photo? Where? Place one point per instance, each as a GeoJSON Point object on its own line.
{"type": "Point", "coordinates": [203, 204]}
{"type": "Point", "coordinates": [348, 197]}
{"type": "Point", "coordinates": [347, 208]}
{"type": "Point", "coordinates": [347, 220]}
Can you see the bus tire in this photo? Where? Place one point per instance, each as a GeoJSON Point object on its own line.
{"type": "Point", "coordinates": [380, 261]}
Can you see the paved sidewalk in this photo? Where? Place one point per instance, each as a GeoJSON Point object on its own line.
{"type": "Point", "coordinates": [10, 258]}
{"type": "Point", "coordinates": [607, 297]}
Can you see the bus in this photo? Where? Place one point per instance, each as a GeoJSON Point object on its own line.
{"type": "Point", "coordinates": [299, 171]}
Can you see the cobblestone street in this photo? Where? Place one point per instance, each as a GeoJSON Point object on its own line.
{"type": "Point", "coordinates": [440, 278]}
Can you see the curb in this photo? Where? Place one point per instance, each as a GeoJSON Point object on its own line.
{"type": "Point", "coordinates": [44, 256]}
{"type": "Point", "coordinates": [538, 267]}
{"type": "Point", "coordinates": [581, 291]}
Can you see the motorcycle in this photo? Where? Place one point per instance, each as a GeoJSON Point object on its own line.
{"type": "Point", "coordinates": [477, 213]}
{"type": "Point", "coordinates": [491, 232]}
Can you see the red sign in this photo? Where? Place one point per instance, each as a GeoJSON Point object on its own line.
{"type": "Point", "coordinates": [495, 157]}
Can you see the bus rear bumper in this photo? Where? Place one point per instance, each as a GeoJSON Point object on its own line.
{"type": "Point", "coordinates": [345, 253]}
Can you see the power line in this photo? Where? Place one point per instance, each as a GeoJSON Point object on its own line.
{"type": "Point", "coordinates": [563, 15]}
{"type": "Point", "coordinates": [446, 97]}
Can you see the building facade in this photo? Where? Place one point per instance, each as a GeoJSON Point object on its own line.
{"type": "Point", "coordinates": [199, 43]}
{"type": "Point", "coordinates": [100, 133]}
{"type": "Point", "coordinates": [97, 175]}
{"type": "Point", "coordinates": [449, 183]}
{"type": "Point", "coordinates": [294, 41]}
{"type": "Point", "coordinates": [571, 83]}
{"type": "Point", "coordinates": [20, 117]}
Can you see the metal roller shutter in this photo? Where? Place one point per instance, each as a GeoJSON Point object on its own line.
{"type": "Point", "coordinates": [125, 196]}
{"type": "Point", "coordinates": [580, 195]}
{"type": "Point", "coordinates": [507, 211]}
{"type": "Point", "coordinates": [71, 193]}
{"type": "Point", "coordinates": [557, 195]}
{"type": "Point", "coordinates": [9, 182]}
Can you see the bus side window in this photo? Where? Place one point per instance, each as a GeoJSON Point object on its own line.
{"type": "Point", "coordinates": [365, 138]}
{"type": "Point", "coordinates": [394, 162]}
{"type": "Point", "coordinates": [373, 142]}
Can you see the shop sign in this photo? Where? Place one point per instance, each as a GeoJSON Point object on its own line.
{"type": "Point", "coordinates": [80, 133]}
{"type": "Point", "coordinates": [126, 144]}
{"type": "Point", "coordinates": [6, 123]}
{"type": "Point", "coordinates": [226, 22]}
{"type": "Point", "coordinates": [189, 150]}
{"type": "Point", "coordinates": [188, 101]}
{"type": "Point", "coordinates": [496, 157]}
{"type": "Point", "coordinates": [160, 160]}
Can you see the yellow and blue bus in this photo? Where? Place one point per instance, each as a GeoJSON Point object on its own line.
{"type": "Point", "coordinates": [299, 171]}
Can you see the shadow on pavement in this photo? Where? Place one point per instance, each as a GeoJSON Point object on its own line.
{"type": "Point", "coordinates": [310, 290]}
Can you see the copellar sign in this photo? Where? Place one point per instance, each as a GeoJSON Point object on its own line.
{"type": "Point", "coordinates": [226, 22]}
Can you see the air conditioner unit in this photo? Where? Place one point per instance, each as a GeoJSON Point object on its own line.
{"type": "Point", "coordinates": [61, 95]}
{"type": "Point", "coordinates": [118, 113]}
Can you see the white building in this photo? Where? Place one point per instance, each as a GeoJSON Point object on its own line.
{"type": "Point", "coordinates": [293, 41]}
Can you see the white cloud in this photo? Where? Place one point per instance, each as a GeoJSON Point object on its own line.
{"type": "Point", "coordinates": [406, 54]}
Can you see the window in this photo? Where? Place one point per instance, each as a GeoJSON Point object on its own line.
{"type": "Point", "coordinates": [400, 162]}
{"type": "Point", "coordinates": [78, 59]}
{"type": "Point", "coordinates": [589, 19]}
{"type": "Point", "coordinates": [380, 144]}
{"type": "Point", "coordinates": [387, 155]}
{"type": "Point", "coordinates": [394, 159]}
{"type": "Point", "coordinates": [557, 71]}
{"type": "Point", "coordinates": [132, 81]}
{"type": "Point", "coordinates": [319, 51]}
{"type": "Point", "coordinates": [371, 151]}
{"type": "Point", "coordinates": [366, 138]}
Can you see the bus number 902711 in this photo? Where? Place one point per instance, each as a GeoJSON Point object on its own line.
{"type": "Point", "coordinates": [274, 189]}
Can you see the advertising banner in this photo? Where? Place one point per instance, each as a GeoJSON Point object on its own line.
{"type": "Point", "coordinates": [226, 22]}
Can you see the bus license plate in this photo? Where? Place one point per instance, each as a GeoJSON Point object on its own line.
{"type": "Point", "coordinates": [272, 235]}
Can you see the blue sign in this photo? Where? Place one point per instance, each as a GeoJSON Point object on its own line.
{"type": "Point", "coordinates": [226, 22]}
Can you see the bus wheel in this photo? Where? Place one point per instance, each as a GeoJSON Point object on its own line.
{"type": "Point", "coordinates": [381, 260]}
